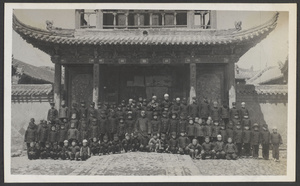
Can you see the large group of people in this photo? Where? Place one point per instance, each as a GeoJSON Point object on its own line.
{"type": "Point", "coordinates": [200, 129]}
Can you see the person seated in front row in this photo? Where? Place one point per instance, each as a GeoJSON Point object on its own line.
{"type": "Point", "coordinates": [207, 149]}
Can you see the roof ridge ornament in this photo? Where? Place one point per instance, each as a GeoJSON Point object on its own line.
{"type": "Point", "coordinates": [238, 25]}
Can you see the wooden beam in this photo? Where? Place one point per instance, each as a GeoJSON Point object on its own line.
{"type": "Point", "coordinates": [193, 80]}
{"type": "Point", "coordinates": [57, 85]}
{"type": "Point", "coordinates": [96, 83]}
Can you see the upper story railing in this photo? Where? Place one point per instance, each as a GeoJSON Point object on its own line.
{"type": "Point", "coordinates": [144, 19]}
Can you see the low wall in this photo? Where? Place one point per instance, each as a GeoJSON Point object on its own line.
{"type": "Point", "coordinates": [20, 117]}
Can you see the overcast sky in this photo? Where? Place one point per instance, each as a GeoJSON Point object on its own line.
{"type": "Point", "coordinates": [267, 53]}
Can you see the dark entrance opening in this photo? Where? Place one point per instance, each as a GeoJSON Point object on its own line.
{"type": "Point", "coordinates": [121, 82]}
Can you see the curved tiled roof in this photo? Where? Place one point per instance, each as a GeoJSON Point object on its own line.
{"type": "Point", "coordinates": [31, 89]}
{"type": "Point", "coordinates": [144, 36]}
{"type": "Point", "coordinates": [262, 89]}
{"type": "Point", "coordinates": [266, 75]}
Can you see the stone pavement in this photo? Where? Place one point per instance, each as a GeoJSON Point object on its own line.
{"type": "Point", "coordinates": [143, 164]}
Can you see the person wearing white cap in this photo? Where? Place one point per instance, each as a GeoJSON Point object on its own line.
{"type": "Point", "coordinates": [175, 108]}
{"type": "Point", "coordinates": [166, 103]}
{"type": "Point", "coordinates": [85, 151]}
{"type": "Point", "coordinates": [276, 141]}
{"type": "Point", "coordinates": [243, 111]}
{"type": "Point", "coordinates": [64, 151]}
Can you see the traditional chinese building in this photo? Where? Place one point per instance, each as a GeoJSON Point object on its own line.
{"type": "Point", "coordinates": [131, 53]}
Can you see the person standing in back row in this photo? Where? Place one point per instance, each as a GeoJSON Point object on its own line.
{"type": "Point", "coordinates": [204, 110]}
{"type": "Point", "coordinates": [276, 141]}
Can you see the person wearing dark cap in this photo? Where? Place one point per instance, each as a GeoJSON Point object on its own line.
{"type": "Point", "coordinates": [64, 153]}
{"type": "Point", "coordinates": [95, 146]}
{"type": "Point", "coordinates": [127, 143]}
{"type": "Point", "coordinates": [121, 128]}
{"type": "Point", "coordinates": [230, 150]}
{"type": "Point", "coordinates": [215, 112]}
{"type": "Point", "coordinates": [193, 108]}
{"type": "Point", "coordinates": [93, 130]}
{"type": "Point", "coordinates": [62, 135]}
{"type": "Point", "coordinates": [31, 133]}
{"type": "Point", "coordinates": [73, 133]}
{"type": "Point", "coordinates": [116, 145]}
{"type": "Point", "coordinates": [112, 125]}
{"type": "Point", "coordinates": [194, 149]}
{"type": "Point", "coordinates": [255, 140]}
{"type": "Point", "coordinates": [135, 142]}
{"type": "Point", "coordinates": [98, 110]}
{"type": "Point", "coordinates": [43, 134]}
{"type": "Point", "coordinates": [74, 110]}
{"type": "Point", "coordinates": [74, 151]}
{"type": "Point", "coordinates": [204, 109]}
{"type": "Point", "coordinates": [234, 112]}
{"type": "Point", "coordinates": [247, 140]}
{"type": "Point", "coordinates": [265, 141]}
{"type": "Point", "coordinates": [183, 142]}
{"type": "Point", "coordinates": [105, 146]}
{"type": "Point", "coordinates": [225, 113]}
{"type": "Point", "coordinates": [63, 110]}
{"type": "Point", "coordinates": [82, 109]}
{"type": "Point", "coordinates": [207, 149]}
{"type": "Point", "coordinates": [155, 124]}
{"type": "Point", "coordinates": [182, 123]}
{"type": "Point", "coordinates": [103, 124]}
{"type": "Point", "coordinates": [91, 111]}
{"type": "Point", "coordinates": [238, 139]}
{"type": "Point", "coordinates": [165, 123]}
{"type": "Point", "coordinates": [190, 129]}
{"type": "Point", "coordinates": [223, 132]}
{"type": "Point", "coordinates": [163, 143]}
{"type": "Point", "coordinates": [83, 126]}
{"type": "Point", "coordinates": [173, 124]}
{"type": "Point", "coordinates": [55, 150]}
{"type": "Point", "coordinates": [45, 151]}
{"type": "Point", "coordinates": [143, 126]}
{"type": "Point", "coordinates": [52, 113]}
{"type": "Point", "coordinates": [53, 135]}
{"type": "Point", "coordinates": [246, 121]}
{"type": "Point", "coordinates": [173, 144]}
{"type": "Point", "coordinates": [230, 130]}
{"type": "Point", "coordinates": [129, 124]}
{"type": "Point", "coordinates": [184, 107]}
{"type": "Point", "coordinates": [275, 141]}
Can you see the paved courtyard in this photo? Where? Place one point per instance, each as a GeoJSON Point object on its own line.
{"type": "Point", "coordinates": [142, 164]}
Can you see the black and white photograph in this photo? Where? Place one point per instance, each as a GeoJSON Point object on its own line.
{"type": "Point", "coordinates": [131, 92]}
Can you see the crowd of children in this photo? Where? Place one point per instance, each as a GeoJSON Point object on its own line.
{"type": "Point", "coordinates": [168, 126]}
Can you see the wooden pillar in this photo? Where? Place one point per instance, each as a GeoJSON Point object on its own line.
{"type": "Point", "coordinates": [231, 87]}
{"type": "Point", "coordinates": [150, 21]}
{"type": "Point", "coordinates": [96, 83]}
{"type": "Point", "coordinates": [57, 84]}
{"type": "Point", "coordinates": [175, 18]}
{"type": "Point", "coordinates": [99, 19]}
{"type": "Point", "coordinates": [213, 19]}
{"type": "Point", "coordinates": [162, 19]}
{"type": "Point", "coordinates": [77, 19]}
{"type": "Point", "coordinates": [190, 19]}
{"type": "Point", "coordinates": [193, 81]}
{"type": "Point", "coordinates": [126, 19]}
{"type": "Point", "coordinates": [115, 20]}
{"type": "Point", "coordinates": [138, 20]}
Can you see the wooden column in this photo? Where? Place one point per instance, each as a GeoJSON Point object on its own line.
{"type": "Point", "coordinates": [175, 18]}
{"type": "Point", "coordinates": [231, 87]}
{"type": "Point", "coordinates": [150, 21]}
{"type": "Point", "coordinates": [57, 85]}
{"type": "Point", "coordinates": [138, 20]}
{"type": "Point", "coordinates": [193, 81]}
{"type": "Point", "coordinates": [190, 19]}
{"type": "Point", "coordinates": [126, 19]}
{"type": "Point", "coordinates": [115, 20]}
{"type": "Point", "coordinates": [96, 83]}
{"type": "Point", "coordinates": [77, 19]}
{"type": "Point", "coordinates": [162, 19]}
{"type": "Point", "coordinates": [99, 19]}
{"type": "Point", "coordinates": [213, 19]}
